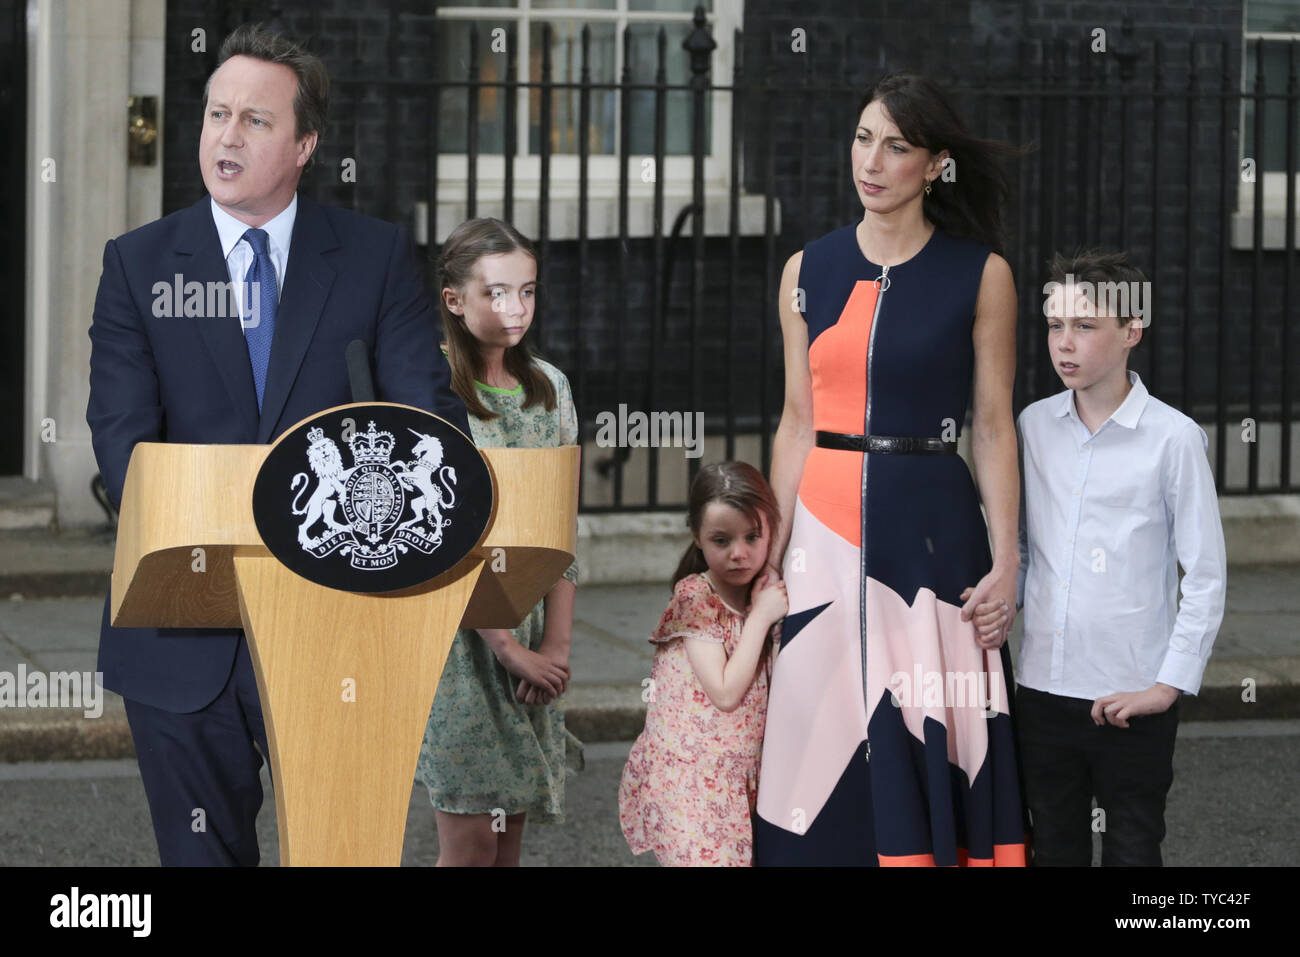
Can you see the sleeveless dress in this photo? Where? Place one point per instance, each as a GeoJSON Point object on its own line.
{"type": "Point", "coordinates": [888, 737]}
{"type": "Point", "coordinates": [483, 751]}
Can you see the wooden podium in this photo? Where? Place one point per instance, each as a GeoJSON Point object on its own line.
{"type": "Point", "coordinates": [346, 679]}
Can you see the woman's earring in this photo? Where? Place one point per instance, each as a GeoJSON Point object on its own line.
{"type": "Point", "coordinates": [927, 187]}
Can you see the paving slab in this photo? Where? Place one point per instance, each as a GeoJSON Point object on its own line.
{"type": "Point", "coordinates": [1254, 673]}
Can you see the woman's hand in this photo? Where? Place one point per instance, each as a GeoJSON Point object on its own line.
{"type": "Point", "coordinates": [991, 604]}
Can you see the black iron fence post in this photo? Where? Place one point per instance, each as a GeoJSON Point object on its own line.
{"type": "Point", "coordinates": [733, 231]}
{"type": "Point", "coordinates": [1227, 181]}
{"type": "Point", "coordinates": [1288, 283]}
{"type": "Point", "coordinates": [700, 45]}
{"type": "Point", "coordinates": [582, 295]}
{"type": "Point", "coordinates": [510, 99]}
{"type": "Point", "coordinates": [659, 306]}
{"type": "Point", "coordinates": [1151, 333]}
{"type": "Point", "coordinates": [471, 125]}
{"type": "Point", "coordinates": [544, 180]}
{"type": "Point", "coordinates": [623, 300]}
{"type": "Point", "coordinates": [1257, 276]}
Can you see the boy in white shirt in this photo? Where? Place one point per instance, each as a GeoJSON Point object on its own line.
{"type": "Point", "coordinates": [1117, 492]}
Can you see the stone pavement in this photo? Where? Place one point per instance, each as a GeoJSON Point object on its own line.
{"type": "Point", "coordinates": [1233, 803]}
{"type": "Point", "coordinates": [49, 623]}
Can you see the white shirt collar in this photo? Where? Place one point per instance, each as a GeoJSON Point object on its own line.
{"type": "Point", "coordinates": [1128, 413]}
{"type": "Point", "coordinates": [279, 229]}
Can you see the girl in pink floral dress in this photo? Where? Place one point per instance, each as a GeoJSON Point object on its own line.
{"type": "Point", "coordinates": [691, 780]}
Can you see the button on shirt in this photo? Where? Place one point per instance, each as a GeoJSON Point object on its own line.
{"type": "Point", "coordinates": [239, 254]}
{"type": "Point", "coordinates": [1106, 519]}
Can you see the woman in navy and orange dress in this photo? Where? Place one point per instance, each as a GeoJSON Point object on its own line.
{"type": "Point", "coordinates": [888, 738]}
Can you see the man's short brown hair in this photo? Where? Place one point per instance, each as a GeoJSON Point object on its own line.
{"type": "Point", "coordinates": [312, 100]}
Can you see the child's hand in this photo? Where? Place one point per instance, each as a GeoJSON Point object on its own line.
{"type": "Point", "coordinates": [531, 694]}
{"type": "Point", "coordinates": [559, 655]}
{"type": "Point", "coordinates": [770, 599]}
{"type": "Point", "coordinates": [538, 670]}
{"type": "Point", "coordinates": [528, 693]}
{"type": "Point", "coordinates": [1116, 709]}
{"type": "Point", "coordinates": [768, 576]}
{"type": "Point", "coordinates": [992, 621]}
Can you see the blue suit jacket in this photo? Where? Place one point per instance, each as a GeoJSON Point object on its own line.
{"type": "Point", "coordinates": [155, 379]}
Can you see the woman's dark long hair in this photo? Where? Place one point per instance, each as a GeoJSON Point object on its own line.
{"type": "Point", "coordinates": [469, 242]}
{"type": "Point", "coordinates": [971, 205]}
{"type": "Point", "coordinates": [737, 484]}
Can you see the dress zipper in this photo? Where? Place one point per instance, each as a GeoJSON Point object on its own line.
{"type": "Point", "coordinates": [882, 284]}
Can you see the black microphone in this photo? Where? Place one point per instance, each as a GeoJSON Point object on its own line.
{"type": "Point", "coordinates": [363, 387]}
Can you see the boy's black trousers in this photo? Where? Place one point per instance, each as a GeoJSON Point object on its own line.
{"type": "Point", "coordinates": [1068, 760]}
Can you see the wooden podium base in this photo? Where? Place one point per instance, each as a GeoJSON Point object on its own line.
{"type": "Point", "coordinates": [346, 679]}
{"type": "Point", "coordinates": [346, 682]}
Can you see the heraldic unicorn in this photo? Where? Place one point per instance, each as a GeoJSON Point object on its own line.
{"type": "Point", "coordinates": [376, 510]}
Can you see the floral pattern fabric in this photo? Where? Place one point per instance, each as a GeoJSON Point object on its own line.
{"type": "Point", "coordinates": [691, 781]}
{"type": "Point", "coordinates": [483, 751]}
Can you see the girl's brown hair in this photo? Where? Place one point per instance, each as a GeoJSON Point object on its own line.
{"type": "Point", "coordinates": [468, 243]}
{"type": "Point", "coordinates": [737, 484]}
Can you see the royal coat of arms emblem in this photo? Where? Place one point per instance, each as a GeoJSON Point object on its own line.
{"type": "Point", "coordinates": [397, 500]}
{"type": "Point", "coordinates": [372, 497]}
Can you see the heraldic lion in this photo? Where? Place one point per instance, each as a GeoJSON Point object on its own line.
{"type": "Point", "coordinates": [327, 463]}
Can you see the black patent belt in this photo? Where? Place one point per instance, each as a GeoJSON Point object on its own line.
{"type": "Point", "coordinates": [885, 444]}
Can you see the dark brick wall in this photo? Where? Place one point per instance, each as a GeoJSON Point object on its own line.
{"type": "Point", "coordinates": [1102, 169]}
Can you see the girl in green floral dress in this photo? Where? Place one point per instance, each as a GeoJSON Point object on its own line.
{"type": "Point", "coordinates": [495, 747]}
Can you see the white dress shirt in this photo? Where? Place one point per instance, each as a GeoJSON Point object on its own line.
{"type": "Point", "coordinates": [1105, 520]}
{"type": "Point", "coordinates": [239, 254]}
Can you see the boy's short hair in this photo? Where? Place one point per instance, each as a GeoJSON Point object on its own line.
{"type": "Point", "coordinates": [1096, 268]}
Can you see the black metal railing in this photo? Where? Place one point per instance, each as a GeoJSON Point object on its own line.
{"type": "Point", "coordinates": [1137, 149]}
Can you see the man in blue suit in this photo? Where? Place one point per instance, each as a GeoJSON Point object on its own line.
{"type": "Point", "coordinates": [317, 278]}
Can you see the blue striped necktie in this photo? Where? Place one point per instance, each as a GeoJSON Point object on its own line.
{"type": "Point", "coordinates": [260, 300]}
